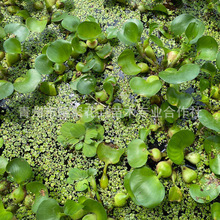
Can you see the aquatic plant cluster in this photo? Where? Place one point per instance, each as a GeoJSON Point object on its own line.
{"type": "Point", "coordinates": [107, 156]}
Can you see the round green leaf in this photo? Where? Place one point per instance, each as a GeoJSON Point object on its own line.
{"type": "Point", "coordinates": [207, 190]}
{"type": "Point", "coordinates": [108, 154]}
{"type": "Point", "coordinates": [19, 169]}
{"type": "Point", "coordinates": [49, 209]}
{"type": "Point", "coordinates": [35, 25]}
{"type": "Point", "coordinates": [86, 85]}
{"type": "Point", "coordinates": [147, 190]}
{"type": "Point", "coordinates": [144, 88]}
{"type": "Point", "coordinates": [178, 142]}
{"type": "Point", "coordinates": [209, 68]}
{"type": "Point", "coordinates": [6, 89]}
{"type": "Point", "coordinates": [186, 73]}
{"type": "Point", "coordinates": [218, 60]}
{"type": "Point", "coordinates": [48, 88]}
{"type": "Point", "coordinates": [12, 45]}
{"type": "Point", "coordinates": [207, 48]}
{"type": "Point", "coordinates": [70, 23]}
{"type": "Point", "coordinates": [89, 150]}
{"type": "Point", "coordinates": [85, 111]}
{"type": "Point", "coordinates": [111, 32]}
{"type": "Point", "coordinates": [3, 164]}
{"type": "Point", "coordinates": [4, 214]}
{"type": "Point", "coordinates": [105, 51]}
{"type": "Point", "coordinates": [208, 120]}
{"type": "Point", "coordinates": [78, 46]}
{"type": "Point", "coordinates": [58, 16]}
{"type": "Point", "coordinates": [27, 83]}
{"type": "Point", "coordinates": [59, 51]}
{"type": "Point", "coordinates": [43, 65]}
{"type": "Point", "coordinates": [137, 153]}
{"type": "Point", "coordinates": [71, 207]}
{"type": "Point", "coordinates": [108, 87]}
{"type": "Point", "coordinates": [38, 189]}
{"type": "Point", "coordinates": [81, 185]}
{"type": "Point", "coordinates": [77, 130]}
{"type": "Point", "coordinates": [215, 210]}
{"type": "Point", "coordinates": [88, 30]}
{"type": "Point", "coordinates": [127, 63]}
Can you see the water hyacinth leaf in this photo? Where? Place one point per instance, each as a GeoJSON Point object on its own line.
{"type": "Point", "coordinates": [38, 189]}
{"type": "Point", "coordinates": [215, 210]}
{"type": "Point", "coordinates": [81, 185]}
{"type": "Point", "coordinates": [209, 68]}
{"type": "Point", "coordinates": [49, 209]}
{"type": "Point", "coordinates": [43, 65]}
{"type": "Point", "coordinates": [146, 188]}
{"type": "Point", "coordinates": [76, 174]}
{"type": "Point", "coordinates": [78, 46]}
{"type": "Point", "coordinates": [169, 113]}
{"type": "Point", "coordinates": [19, 169]}
{"type": "Point", "coordinates": [206, 190]}
{"type": "Point", "coordinates": [208, 120]}
{"type": "Point", "coordinates": [111, 32]}
{"type": "Point", "coordinates": [127, 63]}
{"type": "Point", "coordinates": [99, 65]}
{"type": "Point", "coordinates": [23, 13]}
{"type": "Point", "coordinates": [28, 83]}
{"type": "Point", "coordinates": [70, 23]}
{"type": "Point", "coordinates": [92, 206]}
{"type": "Point", "coordinates": [20, 31]}
{"type": "Point", "coordinates": [178, 142]}
{"type": "Point", "coordinates": [175, 194]}
{"type": "Point", "coordinates": [185, 73]}
{"type": "Point", "coordinates": [212, 148]}
{"type": "Point", "coordinates": [108, 154]}
{"type": "Point", "coordinates": [207, 48]}
{"type": "Point", "coordinates": [71, 207]}
{"type": "Point", "coordinates": [77, 130]}
{"type": "Point", "coordinates": [4, 214]}
{"type": "Point", "coordinates": [89, 65]}
{"type": "Point", "coordinates": [1, 142]}
{"type": "Point", "coordinates": [160, 8]}
{"type": "Point", "coordinates": [145, 88]}
{"type": "Point", "coordinates": [179, 99]}
{"type": "Point", "coordinates": [156, 40]}
{"type": "Point", "coordinates": [108, 87]}
{"type": "Point", "coordinates": [137, 153]}
{"type": "Point", "coordinates": [3, 164]}
{"type": "Point", "coordinates": [88, 30]}
{"type": "Point", "coordinates": [48, 88]}
{"type": "Point", "coordinates": [204, 84]}
{"type": "Point", "coordinates": [59, 51]}
{"type": "Point", "coordinates": [6, 89]}
{"type": "Point", "coordinates": [2, 32]}
{"type": "Point", "coordinates": [152, 27]}
{"type": "Point", "coordinates": [35, 25]}
{"type": "Point", "coordinates": [86, 85]}
{"type": "Point", "coordinates": [12, 45]}
{"type": "Point", "coordinates": [192, 30]}
{"type": "Point", "coordinates": [58, 16]}
{"type": "Point", "coordinates": [105, 51]}
{"type": "Point", "coordinates": [218, 60]}
{"type": "Point", "coordinates": [85, 112]}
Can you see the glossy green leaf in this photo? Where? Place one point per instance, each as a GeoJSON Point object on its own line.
{"type": "Point", "coordinates": [145, 88]}
{"type": "Point", "coordinates": [6, 89]}
{"type": "Point", "coordinates": [58, 16]}
{"type": "Point", "coordinates": [99, 65]}
{"type": "Point", "coordinates": [3, 164]}
{"type": "Point", "coordinates": [185, 73]}
{"type": "Point", "coordinates": [48, 88]}
{"type": "Point", "coordinates": [127, 63]}
{"type": "Point", "coordinates": [43, 65]}
{"type": "Point", "coordinates": [212, 148]}
{"type": "Point", "coordinates": [70, 23]}
{"type": "Point", "coordinates": [168, 112]}
{"type": "Point", "coordinates": [88, 30]}
{"type": "Point", "coordinates": [77, 130]}
{"type": "Point", "coordinates": [218, 60]}
{"type": "Point", "coordinates": [108, 154]}
{"type": "Point", "coordinates": [178, 142]}
{"type": "Point", "coordinates": [28, 83]}
{"type": "Point", "coordinates": [175, 194]}
{"type": "Point", "coordinates": [49, 209]}
{"type": "Point", "coordinates": [144, 188]}
{"type": "Point", "coordinates": [86, 85]}
{"type": "Point", "coordinates": [105, 51]}
{"type": "Point", "coordinates": [2, 32]}
{"type": "Point", "coordinates": [208, 120]}
{"type": "Point", "coordinates": [72, 207]}
{"type": "Point", "coordinates": [207, 48]}
{"type": "Point", "coordinates": [206, 190]}
{"type": "Point", "coordinates": [35, 25]}
{"type": "Point", "coordinates": [76, 174]}
{"type": "Point", "coordinates": [209, 68]}
{"type": "Point", "coordinates": [108, 87]}
{"type": "Point", "coordinates": [85, 111]}
{"type": "Point", "coordinates": [78, 46]}
{"type": "Point", "coordinates": [179, 99]}
{"type": "Point", "coordinates": [23, 13]}
{"type": "Point", "coordinates": [20, 31]}
{"type": "Point", "coordinates": [4, 214]}
{"type": "Point", "coordinates": [160, 8]}
{"type": "Point", "coordinates": [38, 189]}
{"type": "Point", "coordinates": [156, 40]}
{"type": "Point", "coordinates": [137, 153]}
{"type": "Point", "coordinates": [204, 84]}
{"type": "Point", "coordinates": [215, 210]}
{"type": "Point", "coordinates": [59, 51]}
{"type": "Point", "coordinates": [111, 32]}
{"type": "Point", "coordinates": [19, 169]}
{"type": "Point", "coordinates": [12, 45]}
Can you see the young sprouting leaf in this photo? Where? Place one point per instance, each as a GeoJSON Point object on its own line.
{"type": "Point", "coordinates": [212, 148]}
{"type": "Point", "coordinates": [206, 190]}
{"type": "Point", "coordinates": [6, 89]}
{"type": "Point", "coordinates": [175, 194]}
{"type": "Point", "coordinates": [179, 99]}
{"type": "Point", "coordinates": [20, 31]}
{"type": "Point", "coordinates": [43, 65]}
{"type": "Point", "coordinates": [71, 207]}
{"type": "Point", "coordinates": [209, 68]}
{"type": "Point", "coordinates": [12, 45]}
{"type": "Point", "coordinates": [86, 84]}
{"type": "Point", "coordinates": [105, 51]}
{"type": "Point", "coordinates": [127, 63]}
{"type": "Point", "coordinates": [146, 88]}
{"type": "Point", "coordinates": [156, 40]}
{"type": "Point", "coordinates": [3, 164]}
{"type": "Point", "coordinates": [76, 174]}
{"type": "Point", "coordinates": [78, 46]}
{"type": "Point", "coordinates": [204, 84]}
{"type": "Point", "coordinates": [58, 16]}
{"type": "Point", "coordinates": [207, 48]}
{"type": "Point", "coordinates": [215, 210]}
{"type": "Point", "coordinates": [4, 214]}
{"type": "Point", "coordinates": [70, 23]}
{"type": "Point", "coordinates": [218, 60]}
{"type": "Point", "coordinates": [48, 88]}
{"type": "Point", "coordinates": [59, 51]}
{"type": "Point", "coordinates": [185, 73]}
{"type": "Point", "coordinates": [111, 32]}
{"type": "Point", "coordinates": [85, 111]}
{"type": "Point", "coordinates": [108, 154]}
{"type": "Point", "coordinates": [19, 169]}
{"type": "Point", "coordinates": [108, 87]}
{"type": "Point", "coordinates": [152, 27]}
{"type": "Point", "coordinates": [88, 30]}
{"type": "Point", "coordinates": [208, 120]}
{"type": "Point", "coordinates": [35, 25]}
{"type": "Point", "coordinates": [168, 112]}
{"type": "Point", "coordinates": [49, 209]}
{"type": "Point", "coordinates": [144, 187]}
{"type": "Point", "coordinates": [178, 142]}
{"type": "Point", "coordinates": [143, 133]}
{"type": "Point", "coordinates": [92, 206]}
{"type": "Point", "coordinates": [137, 153]}
{"type": "Point", "coordinates": [81, 185]}
{"type": "Point", "coordinates": [28, 83]}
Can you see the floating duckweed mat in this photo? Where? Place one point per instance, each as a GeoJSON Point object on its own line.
{"type": "Point", "coordinates": [107, 160]}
